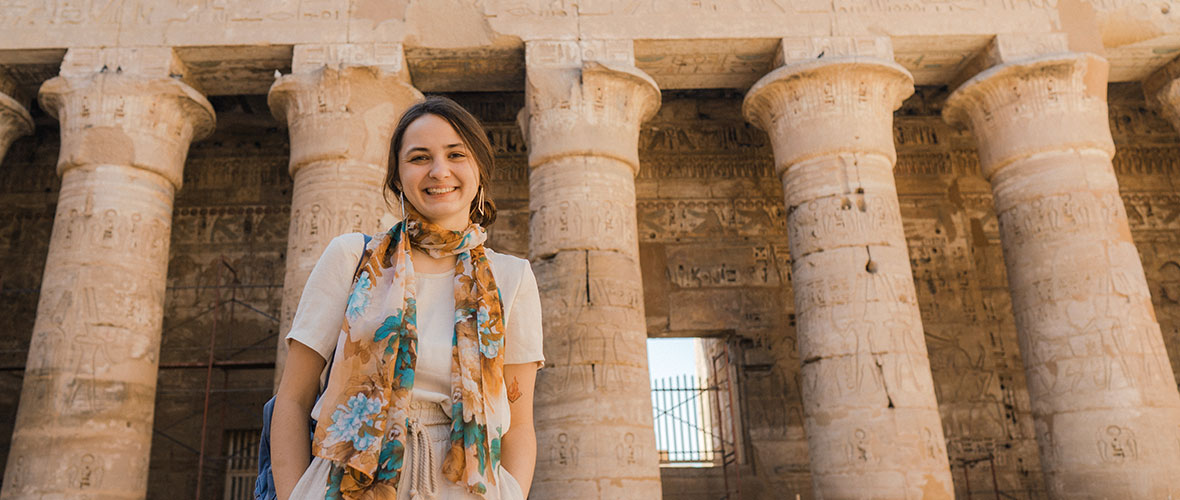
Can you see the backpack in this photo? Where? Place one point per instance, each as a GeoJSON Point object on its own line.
{"type": "Point", "coordinates": [264, 486]}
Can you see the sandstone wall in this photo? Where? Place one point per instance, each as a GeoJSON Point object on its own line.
{"type": "Point", "coordinates": [715, 262]}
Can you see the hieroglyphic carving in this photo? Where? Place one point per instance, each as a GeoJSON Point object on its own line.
{"type": "Point", "coordinates": [571, 222]}
{"type": "Point", "coordinates": [564, 452]}
{"type": "Point", "coordinates": [582, 121]}
{"type": "Point", "coordinates": [66, 13]}
{"type": "Point", "coordinates": [1117, 445]}
{"type": "Point", "coordinates": [1135, 161]}
{"type": "Point", "coordinates": [94, 349]}
{"type": "Point", "coordinates": [678, 138]}
{"type": "Point", "coordinates": [388, 57]}
{"type": "Point", "coordinates": [858, 448]}
{"type": "Point", "coordinates": [666, 220]}
{"type": "Point", "coordinates": [1062, 214]}
{"type": "Point", "coordinates": [1102, 355]}
{"type": "Point", "coordinates": [796, 49]}
{"type": "Point", "coordinates": [86, 472]}
{"type": "Point", "coordinates": [860, 333]}
{"type": "Point", "coordinates": [706, 63]}
{"type": "Point", "coordinates": [627, 453]}
{"type": "Point", "coordinates": [1088, 334]}
{"type": "Point", "coordinates": [1152, 212]}
{"type": "Point", "coordinates": [838, 221]}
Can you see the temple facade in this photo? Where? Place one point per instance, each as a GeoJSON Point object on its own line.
{"type": "Point", "coordinates": [936, 244]}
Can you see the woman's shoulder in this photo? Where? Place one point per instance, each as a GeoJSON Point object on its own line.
{"type": "Point", "coordinates": [512, 273]}
{"type": "Point", "coordinates": [347, 244]}
{"type": "Point", "coordinates": [507, 262]}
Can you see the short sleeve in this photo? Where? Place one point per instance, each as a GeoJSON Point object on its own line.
{"type": "Point", "coordinates": [325, 296]}
{"type": "Point", "coordinates": [524, 338]}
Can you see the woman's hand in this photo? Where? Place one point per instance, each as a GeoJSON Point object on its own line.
{"type": "Point", "coordinates": [290, 444]}
{"type": "Point", "coordinates": [518, 448]}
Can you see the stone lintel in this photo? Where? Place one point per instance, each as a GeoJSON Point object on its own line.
{"type": "Point", "coordinates": [144, 62]}
{"type": "Point", "coordinates": [571, 54]}
{"type": "Point", "coordinates": [1008, 48]}
{"type": "Point", "coordinates": [388, 58]}
{"type": "Point", "coordinates": [585, 98]}
{"type": "Point", "coordinates": [126, 107]}
{"type": "Point", "coordinates": [1019, 109]}
{"type": "Point", "coordinates": [1162, 89]}
{"type": "Point", "coordinates": [819, 107]}
{"type": "Point", "coordinates": [800, 49]}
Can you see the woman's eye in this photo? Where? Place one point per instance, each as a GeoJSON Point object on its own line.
{"type": "Point", "coordinates": [457, 154]}
{"type": "Point", "coordinates": [418, 158]}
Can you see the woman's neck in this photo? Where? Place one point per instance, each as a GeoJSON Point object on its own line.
{"type": "Point", "coordinates": [424, 263]}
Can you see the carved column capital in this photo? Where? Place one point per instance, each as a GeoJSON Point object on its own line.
{"type": "Point", "coordinates": [1025, 107]}
{"type": "Point", "coordinates": [1162, 89]}
{"type": "Point", "coordinates": [585, 98]}
{"type": "Point", "coordinates": [829, 114]}
{"type": "Point", "coordinates": [14, 118]}
{"type": "Point", "coordinates": [341, 105]}
{"type": "Point", "coordinates": [821, 107]}
{"type": "Point", "coordinates": [133, 109]}
{"type": "Point", "coordinates": [338, 107]}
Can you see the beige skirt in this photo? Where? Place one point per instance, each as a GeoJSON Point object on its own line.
{"type": "Point", "coordinates": [422, 477]}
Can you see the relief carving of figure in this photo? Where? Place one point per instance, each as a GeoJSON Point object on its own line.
{"type": "Point", "coordinates": [1117, 445]}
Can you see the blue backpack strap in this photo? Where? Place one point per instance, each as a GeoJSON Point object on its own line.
{"type": "Point", "coordinates": [264, 486]}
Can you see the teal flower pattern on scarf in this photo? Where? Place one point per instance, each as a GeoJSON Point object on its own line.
{"type": "Point", "coordinates": [349, 422]}
{"type": "Point", "coordinates": [373, 374]}
{"type": "Point", "coordinates": [359, 299]}
{"type": "Point", "coordinates": [390, 462]}
{"type": "Point", "coordinates": [489, 347]}
{"type": "Point", "coordinates": [391, 325]}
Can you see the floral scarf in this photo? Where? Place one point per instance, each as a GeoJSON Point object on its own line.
{"type": "Point", "coordinates": [364, 417]}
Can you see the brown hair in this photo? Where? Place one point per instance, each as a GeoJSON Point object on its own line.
{"type": "Point", "coordinates": [474, 138]}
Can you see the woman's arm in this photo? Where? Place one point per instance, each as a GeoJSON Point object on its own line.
{"type": "Point", "coordinates": [518, 448]}
{"type": "Point", "coordinates": [290, 445]}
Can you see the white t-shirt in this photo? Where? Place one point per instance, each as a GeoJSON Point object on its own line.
{"type": "Point", "coordinates": [321, 313]}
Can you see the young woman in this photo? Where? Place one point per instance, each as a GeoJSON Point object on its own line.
{"type": "Point", "coordinates": [435, 341]}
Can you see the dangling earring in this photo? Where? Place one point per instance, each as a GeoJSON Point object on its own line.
{"type": "Point", "coordinates": [402, 196]}
{"type": "Point", "coordinates": [479, 204]}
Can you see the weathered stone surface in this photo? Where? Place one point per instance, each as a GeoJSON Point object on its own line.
{"type": "Point", "coordinates": [1098, 373]}
{"type": "Point", "coordinates": [707, 197]}
{"type": "Point", "coordinates": [90, 378]}
{"type": "Point", "coordinates": [697, 44]}
{"type": "Point", "coordinates": [341, 113]}
{"type": "Point", "coordinates": [706, 210]}
{"type": "Point", "coordinates": [872, 420]}
{"type": "Point", "coordinates": [584, 105]}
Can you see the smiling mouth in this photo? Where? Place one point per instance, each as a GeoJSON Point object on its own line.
{"type": "Point", "coordinates": [441, 190]}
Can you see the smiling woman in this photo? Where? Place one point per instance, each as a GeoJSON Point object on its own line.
{"type": "Point", "coordinates": [435, 340]}
{"type": "Point", "coordinates": [441, 147]}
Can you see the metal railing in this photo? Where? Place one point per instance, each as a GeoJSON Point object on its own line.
{"type": "Point", "coordinates": [685, 421]}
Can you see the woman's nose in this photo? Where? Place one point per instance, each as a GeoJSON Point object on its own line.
{"type": "Point", "coordinates": [439, 170]}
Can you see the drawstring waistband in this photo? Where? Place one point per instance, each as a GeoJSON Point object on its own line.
{"type": "Point", "coordinates": [422, 466]}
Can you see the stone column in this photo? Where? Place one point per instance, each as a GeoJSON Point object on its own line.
{"type": "Point", "coordinates": [14, 118]}
{"type": "Point", "coordinates": [341, 104]}
{"type": "Point", "coordinates": [584, 104]}
{"type": "Point", "coordinates": [84, 427]}
{"type": "Point", "coordinates": [871, 417]}
{"type": "Point", "coordinates": [1104, 401]}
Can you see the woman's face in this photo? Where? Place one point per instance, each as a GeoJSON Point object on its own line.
{"type": "Point", "coordinates": [438, 175]}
